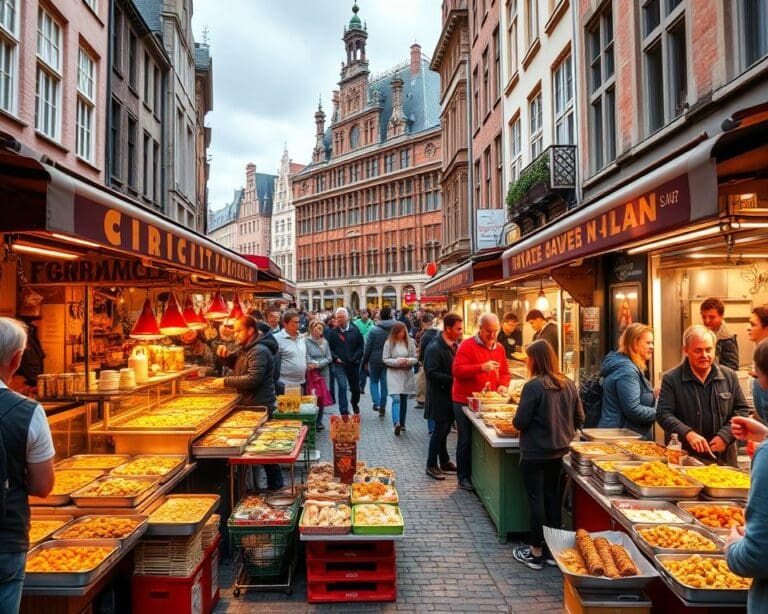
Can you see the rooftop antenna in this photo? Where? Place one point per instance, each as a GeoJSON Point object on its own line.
{"type": "Point", "coordinates": [206, 35]}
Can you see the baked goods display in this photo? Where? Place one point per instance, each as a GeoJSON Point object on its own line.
{"type": "Point", "coordinates": [116, 487]}
{"type": "Point", "coordinates": [643, 449]}
{"type": "Point", "coordinates": [182, 510]}
{"type": "Point", "coordinates": [373, 492]}
{"type": "Point", "coordinates": [597, 557]}
{"type": "Point", "coordinates": [243, 418]}
{"type": "Point", "coordinates": [595, 448]}
{"type": "Point", "coordinates": [489, 395]}
{"type": "Point", "coordinates": [69, 480]}
{"type": "Point", "coordinates": [185, 412]}
{"type": "Point", "coordinates": [326, 514]}
{"type": "Point", "coordinates": [327, 490]}
{"type": "Point", "coordinates": [652, 516]}
{"type": "Point", "coordinates": [374, 474]}
{"type": "Point", "coordinates": [321, 471]}
{"type": "Point", "coordinates": [100, 527]}
{"type": "Point", "coordinates": [714, 476]}
{"type": "Point", "coordinates": [92, 461]}
{"type": "Point", "coordinates": [40, 529]}
{"type": "Point", "coordinates": [274, 440]}
{"type": "Point", "coordinates": [373, 514]}
{"type": "Point", "coordinates": [677, 538]}
{"type": "Point", "coordinates": [220, 440]}
{"type": "Point", "coordinates": [718, 516]}
{"type": "Point", "coordinates": [704, 572]}
{"type": "Point", "coordinates": [655, 473]}
{"type": "Point", "coordinates": [254, 509]}
{"type": "Point", "coordinates": [67, 559]}
{"type": "Point", "coordinates": [156, 466]}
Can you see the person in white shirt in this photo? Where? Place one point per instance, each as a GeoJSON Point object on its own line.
{"type": "Point", "coordinates": [293, 351]}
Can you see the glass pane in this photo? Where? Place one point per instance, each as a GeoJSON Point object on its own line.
{"type": "Point", "coordinates": [654, 87]}
{"type": "Point", "coordinates": [651, 16]}
{"type": "Point", "coordinates": [678, 67]}
{"type": "Point", "coordinates": [609, 61]}
{"type": "Point", "coordinates": [610, 125]}
{"type": "Point", "coordinates": [597, 133]}
{"type": "Point", "coordinates": [755, 28]}
{"type": "Point", "coordinates": [671, 4]}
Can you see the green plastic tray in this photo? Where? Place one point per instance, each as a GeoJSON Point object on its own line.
{"type": "Point", "coordinates": [377, 530]}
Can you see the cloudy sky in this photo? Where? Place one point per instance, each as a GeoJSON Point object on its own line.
{"type": "Point", "coordinates": [271, 61]}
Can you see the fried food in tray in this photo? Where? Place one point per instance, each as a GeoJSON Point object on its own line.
{"type": "Point", "coordinates": [373, 514]}
{"type": "Point", "coordinates": [93, 461]}
{"type": "Point", "coordinates": [40, 529]}
{"type": "Point", "coordinates": [117, 487]}
{"type": "Point", "coordinates": [677, 538]}
{"type": "Point", "coordinates": [322, 471]}
{"type": "Point", "coordinates": [327, 491]}
{"type": "Point", "coordinates": [643, 449]}
{"type": "Point", "coordinates": [182, 510]}
{"type": "Point", "coordinates": [490, 395]}
{"type": "Point", "coordinates": [704, 572]}
{"type": "Point", "coordinates": [373, 492]}
{"type": "Point", "coordinates": [603, 548]}
{"type": "Point", "coordinates": [717, 516]}
{"type": "Point", "coordinates": [254, 510]}
{"type": "Point", "coordinates": [598, 557]}
{"type": "Point", "coordinates": [326, 514]}
{"type": "Point", "coordinates": [623, 561]}
{"type": "Point", "coordinates": [220, 440]}
{"type": "Point", "coordinates": [69, 480]}
{"type": "Point", "coordinates": [590, 449]}
{"type": "Point", "coordinates": [155, 465]}
{"type": "Point", "coordinates": [652, 516]}
{"type": "Point", "coordinates": [242, 418]}
{"type": "Point", "coordinates": [100, 527]}
{"type": "Point", "coordinates": [68, 559]}
{"type": "Point", "coordinates": [573, 561]}
{"type": "Point", "coordinates": [375, 474]}
{"type": "Point", "coordinates": [588, 552]}
{"type": "Point", "coordinates": [714, 476]}
{"type": "Point", "coordinates": [655, 474]}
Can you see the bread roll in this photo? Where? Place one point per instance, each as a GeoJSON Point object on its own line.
{"type": "Point", "coordinates": [588, 552]}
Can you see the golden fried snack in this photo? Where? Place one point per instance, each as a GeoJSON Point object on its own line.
{"type": "Point", "coordinates": [718, 516]}
{"type": "Point", "coordinates": [706, 572]}
{"type": "Point", "coordinates": [603, 548]}
{"type": "Point", "coordinates": [623, 561]}
{"type": "Point", "coordinates": [677, 538]}
{"type": "Point", "coordinates": [587, 550]}
{"type": "Point", "coordinates": [573, 561]}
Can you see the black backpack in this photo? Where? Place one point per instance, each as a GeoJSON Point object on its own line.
{"type": "Point", "coordinates": [591, 395]}
{"type": "Point", "coordinates": [5, 477]}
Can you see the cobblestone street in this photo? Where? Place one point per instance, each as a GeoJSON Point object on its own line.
{"type": "Point", "coordinates": [450, 559]}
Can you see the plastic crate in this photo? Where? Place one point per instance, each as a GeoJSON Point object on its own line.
{"type": "Point", "coordinates": [352, 570]}
{"type": "Point", "coordinates": [344, 551]}
{"type": "Point", "coordinates": [308, 420]}
{"type": "Point", "coordinates": [335, 592]}
{"type": "Point", "coordinates": [265, 550]}
{"type": "Point", "coordinates": [168, 593]}
{"type": "Point", "coordinates": [211, 576]}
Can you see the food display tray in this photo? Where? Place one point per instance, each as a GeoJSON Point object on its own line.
{"type": "Point", "coordinates": [581, 468]}
{"type": "Point", "coordinates": [63, 499]}
{"type": "Point", "coordinates": [68, 463]}
{"type": "Point", "coordinates": [559, 540]}
{"type": "Point", "coordinates": [126, 543]}
{"type": "Point", "coordinates": [609, 477]}
{"type": "Point", "coordinates": [234, 450]}
{"type": "Point", "coordinates": [80, 499]}
{"type": "Point", "coordinates": [652, 551]}
{"type": "Point", "coordinates": [65, 519]}
{"type": "Point", "coordinates": [672, 493]}
{"type": "Point", "coordinates": [71, 578]}
{"type": "Point", "coordinates": [661, 457]}
{"type": "Point", "coordinates": [597, 434]}
{"type": "Point", "coordinates": [505, 433]}
{"type": "Point", "coordinates": [306, 530]}
{"type": "Point", "coordinates": [698, 595]}
{"type": "Point", "coordinates": [610, 489]}
{"type": "Point", "coordinates": [716, 492]}
{"type": "Point", "coordinates": [587, 457]}
{"type": "Point", "coordinates": [395, 529]}
{"type": "Point", "coordinates": [638, 504]}
{"type": "Point", "coordinates": [176, 529]}
{"type": "Point", "coordinates": [686, 505]}
{"type": "Point", "coordinates": [181, 458]}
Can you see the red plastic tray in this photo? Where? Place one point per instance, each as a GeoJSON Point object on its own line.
{"type": "Point", "coordinates": [335, 592]}
{"type": "Point", "coordinates": [344, 551]}
{"type": "Point", "coordinates": [168, 593]}
{"type": "Point", "coordinates": [352, 571]}
{"type": "Point", "coordinates": [211, 576]}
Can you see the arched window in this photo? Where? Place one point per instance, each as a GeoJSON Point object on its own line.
{"type": "Point", "coordinates": [354, 137]}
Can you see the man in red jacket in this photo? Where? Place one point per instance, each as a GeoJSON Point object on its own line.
{"type": "Point", "coordinates": [479, 361]}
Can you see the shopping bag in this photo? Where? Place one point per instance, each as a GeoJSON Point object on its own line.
{"type": "Point", "coordinates": [316, 385]}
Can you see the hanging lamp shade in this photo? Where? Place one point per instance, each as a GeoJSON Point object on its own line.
{"type": "Point", "coordinates": [194, 320]}
{"type": "Point", "coordinates": [218, 309]}
{"type": "Point", "coordinates": [237, 310]}
{"type": "Point", "coordinates": [173, 322]}
{"type": "Point", "coordinates": [146, 327]}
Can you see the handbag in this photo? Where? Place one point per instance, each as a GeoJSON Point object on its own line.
{"type": "Point", "coordinates": [316, 385]}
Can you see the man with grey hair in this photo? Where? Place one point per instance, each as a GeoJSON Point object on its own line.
{"type": "Point", "coordinates": [699, 397]}
{"type": "Point", "coordinates": [26, 465]}
{"type": "Point", "coordinates": [347, 345]}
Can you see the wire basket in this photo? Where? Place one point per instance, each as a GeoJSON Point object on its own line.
{"type": "Point", "coordinates": [265, 550]}
{"type": "Point", "coordinates": [308, 420]}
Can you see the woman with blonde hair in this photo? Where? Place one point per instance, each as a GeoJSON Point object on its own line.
{"type": "Point", "coordinates": [628, 397]}
{"type": "Point", "coordinates": [318, 368]}
{"type": "Point", "coordinates": [399, 355]}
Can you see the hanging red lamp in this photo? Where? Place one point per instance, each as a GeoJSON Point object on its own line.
{"type": "Point", "coordinates": [193, 318]}
{"type": "Point", "coordinates": [237, 310]}
{"type": "Point", "coordinates": [173, 322]}
{"type": "Point", "coordinates": [218, 309]}
{"type": "Point", "coordinates": [146, 327]}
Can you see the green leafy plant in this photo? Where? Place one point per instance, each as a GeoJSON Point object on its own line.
{"type": "Point", "coordinates": [533, 175]}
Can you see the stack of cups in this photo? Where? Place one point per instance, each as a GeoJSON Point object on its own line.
{"type": "Point", "coordinates": [127, 379]}
{"type": "Point", "coordinates": [109, 381]}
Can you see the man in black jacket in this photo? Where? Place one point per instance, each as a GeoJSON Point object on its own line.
{"type": "Point", "coordinates": [374, 363]}
{"type": "Point", "coordinates": [347, 345]}
{"type": "Point", "coordinates": [727, 348]}
{"type": "Point", "coordinates": [698, 399]}
{"type": "Point", "coordinates": [438, 368]}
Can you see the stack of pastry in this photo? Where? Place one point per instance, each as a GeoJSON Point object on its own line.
{"type": "Point", "coordinates": [597, 557]}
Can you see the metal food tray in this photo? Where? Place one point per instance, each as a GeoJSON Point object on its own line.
{"type": "Point", "coordinates": [608, 435]}
{"type": "Point", "coordinates": [71, 578]}
{"type": "Point", "coordinates": [725, 531]}
{"type": "Point", "coordinates": [608, 488]}
{"type": "Point", "coordinates": [609, 477]}
{"type": "Point", "coordinates": [637, 504]}
{"type": "Point", "coordinates": [203, 451]}
{"type": "Point", "coordinates": [587, 457]}
{"type": "Point", "coordinates": [63, 499]}
{"type": "Point", "coordinates": [81, 499]}
{"type": "Point", "coordinates": [182, 462]}
{"type": "Point", "coordinates": [718, 492]}
{"type": "Point", "coordinates": [699, 595]}
{"type": "Point", "coordinates": [67, 462]}
{"type": "Point", "coordinates": [672, 493]}
{"type": "Point", "coordinates": [175, 529]}
{"type": "Point", "coordinates": [65, 519]}
{"type": "Point", "coordinates": [584, 469]}
{"type": "Point", "coordinates": [652, 550]}
{"type": "Point", "coordinates": [559, 540]}
{"type": "Point", "coordinates": [662, 456]}
{"type": "Point", "coordinates": [126, 543]}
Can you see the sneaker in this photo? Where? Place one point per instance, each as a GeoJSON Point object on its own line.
{"type": "Point", "coordinates": [402, 428]}
{"type": "Point", "coordinates": [524, 555]}
{"type": "Point", "coordinates": [550, 561]}
{"type": "Point", "coordinates": [319, 427]}
{"type": "Point", "coordinates": [356, 409]}
{"type": "Point", "coordinates": [466, 485]}
{"type": "Point", "coordinates": [376, 408]}
{"type": "Point", "coordinates": [435, 473]}
{"type": "Point", "coordinates": [449, 467]}
{"type": "Point", "coordinates": [382, 411]}
{"type": "Point", "coordinates": [398, 428]}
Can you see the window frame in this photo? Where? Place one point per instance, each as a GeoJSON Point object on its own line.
{"type": "Point", "coordinates": [515, 147]}
{"type": "Point", "coordinates": [85, 141]}
{"type": "Point", "coordinates": [563, 108]}
{"type": "Point", "coordinates": [48, 76]}
{"type": "Point", "coordinates": [599, 92]}
{"type": "Point", "coordinates": [536, 124]}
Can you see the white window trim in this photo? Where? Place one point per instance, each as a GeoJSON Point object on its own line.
{"type": "Point", "coordinates": [560, 81]}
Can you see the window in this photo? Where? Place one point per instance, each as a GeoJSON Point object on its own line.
{"type": "Point", "coordinates": [405, 158]}
{"type": "Point", "coordinates": [515, 149]}
{"type": "Point", "coordinates": [156, 162]}
{"type": "Point", "coordinates": [477, 184]}
{"type": "Point", "coordinates": [133, 44]}
{"type": "Point", "coordinates": [389, 163]}
{"type": "Point", "coordinates": [564, 122]}
{"type": "Point", "coordinates": [532, 22]}
{"type": "Point", "coordinates": [132, 152]}
{"type": "Point", "coordinates": [512, 36]}
{"type": "Point", "coordinates": [665, 61]}
{"type": "Point", "coordinates": [475, 98]}
{"type": "Point", "coordinates": [753, 26]}
{"type": "Point", "coordinates": [114, 143]}
{"type": "Point", "coordinates": [486, 83]}
{"type": "Point", "coordinates": [86, 97]}
{"type": "Point", "coordinates": [117, 40]}
{"type": "Point", "coordinates": [354, 137]}
{"type": "Point", "coordinates": [9, 49]}
{"type": "Point", "coordinates": [602, 90]}
{"type": "Point", "coordinates": [147, 79]}
{"type": "Point", "coordinates": [93, 5]}
{"type": "Point", "coordinates": [48, 87]}
{"type": "Point", "coordinates": [146, 160]}
{"type": "Point", "coordinates": [536, 128]}
{"type": "Point", "coordinates": [499, 176]}
{"type": "Point", "coordinates": [156, 105]}
{"type": "Point", "coordinates": [496, 65]}
{"type": "Point", "coordinates": [487, 200]}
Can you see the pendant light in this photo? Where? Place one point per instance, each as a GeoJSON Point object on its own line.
{"type": "Point", "coordinates": [237, 310]}
{"type": "Point", "coordinates": [194, 319]}
{"type": "Point", "coordinates": [218, 309]}
{"type": "Point", "coordinates": [542, 302]}
{"type": "Point", "coordinates": [146, 328]}
{"type": "Point", "coordinates": [173, 322]}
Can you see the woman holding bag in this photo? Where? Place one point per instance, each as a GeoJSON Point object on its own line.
{"type": "Point", "coordinates": [399, 355]}
{"type": "Point", "coordinates": [318, 368]}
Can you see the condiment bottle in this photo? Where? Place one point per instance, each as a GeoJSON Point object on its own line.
{"type": "Point", "coordinates": [674, 451]}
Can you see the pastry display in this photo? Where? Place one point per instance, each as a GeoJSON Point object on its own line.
{"type": "Point", "coordinates": [182, 510]}
{"type": "Point", "coordinates": [156, 466]}
{"type": "Point", "coordinates": [603, 548]}
{"type": "Point", "coordinates": [677, 538]}
{"type": "Point", "coordinates": [184, 412]}
{"type": "Point", "coordinates": [92, 461]}
{"type": "Point", "coordinates": [326, 514]}
{"type": "Point", "coordinates": [718, 516]}
{"type": "Point", "coordinates": [220, 440]}
{"type": "Point", "coordinates": [372, 515]}
{"type": "Point", "coordinates": [321, 471]}
{"type": "Point", "coordinates": [645, 449]}
{"type": "Point", "coordinates": [655, 473]}
{"type": "Point", "coordinates": [40, 529]}
{"type": "Point", "coordinates": [327, 490]}
{"type": "Point", "coordinates": [373, 492]}
{"type": "Point", "coordinates": [597, 557]}
{"type": "Point", "coordinates": [67, 559]}
{"type": "Point", "coordinates": [699, 571]}
{"type": "Point", "coordinates": [374, 474]}
{"type": "Point", "coordinates": [116, 487]}
{"type": "Point", "coordinates": [489, 395]}
{"type": "Point", "coordinates": [243, 418]}
{"type": "Point", "coordinates": [254, 509]}
{"type": "Point", "coordinates": [714, 476]}
{"type": "Point", "coordinates": [606, 465]}
{"type": "Point", "coordinates": [70, 480]}
{"type": "Point", "coordinates": [592, 448]}
{"type": "Point", "coordinates": [652, 516]}
{"type": "Point", "coordinates": [100, 527]}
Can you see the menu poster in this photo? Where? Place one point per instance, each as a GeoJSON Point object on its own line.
{"type": "Point", "coordinates": [590, 319]}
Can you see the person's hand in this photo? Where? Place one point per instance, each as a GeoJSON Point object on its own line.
{"type": "Point", "coordinates": [697, 442]}
{"type": "Point", "coordinates": [656, 392]}
{"type": "Point", "coordinates": [735, 535]}
{"type": "Point", "coordinates": [717, 444]}
{"type": "Point", "coordinates": [748, 429]}
{"type": "Point", "coordinates": [489, 365]}
{"type": "Point", "coordinates": [502, 390]}
{"type": "Point", "coordinates": [222, 352]}
{"type": "Point", "coordinates": [218, 382]}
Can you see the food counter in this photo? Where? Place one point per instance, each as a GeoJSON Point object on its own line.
{"type": "Point", "coordinates": [497, 479]}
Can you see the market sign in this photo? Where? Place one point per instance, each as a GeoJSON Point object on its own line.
{"type": "Point", "coordinates": [461, 278]}
{"type": "Point", "coordinates": [101, 271]}
{"type": "Point", "coordinates": [112, 226]}
{"type": "Point", "coordinates": [658, 211]}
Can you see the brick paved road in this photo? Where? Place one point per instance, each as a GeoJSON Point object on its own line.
{"type": "Point", "coordinates": [450, 560]}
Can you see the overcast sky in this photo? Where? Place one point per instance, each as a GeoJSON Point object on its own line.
{"type": "Point", "coordinates": [271, 61]}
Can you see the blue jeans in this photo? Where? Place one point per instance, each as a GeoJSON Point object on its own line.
{"type": "Point", "coordinates": [399, 408]}
{"type": "Point", "coordinates": [378, 386]}
{"type": "Point", "coordinates": [11, 580]}
{"type": "Point", "coordinates": [347, 377]}
{"type": "Point", "coordinates": [438, 448]}
{"type": "Point", "coordinates": [463, 443]}
{"type": "Point", "coordinates": [430, 426]}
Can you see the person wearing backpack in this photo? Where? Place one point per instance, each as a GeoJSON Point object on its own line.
{"type": "Point", "coordinates": [26, 465]}
{"type": "Point", "coordinates": [628, 398]}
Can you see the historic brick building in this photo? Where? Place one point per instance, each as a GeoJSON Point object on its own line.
{"type": "Point", "coordinates": [283, 242]}
{"type": "Point", "coordinates": [368, 206]}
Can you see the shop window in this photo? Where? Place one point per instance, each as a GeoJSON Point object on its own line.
{"type": "Point", "coordinates": [602, 90]}
{"type": "Point", "coordinates": [563, 95]}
